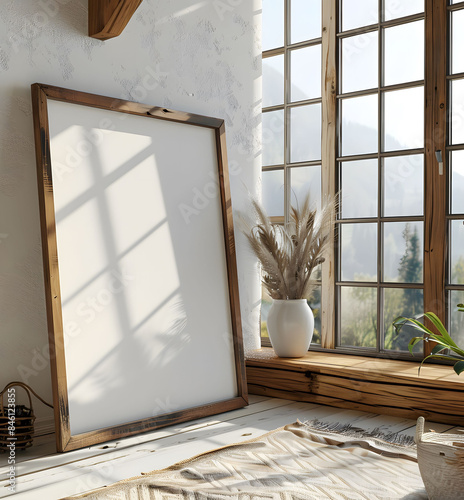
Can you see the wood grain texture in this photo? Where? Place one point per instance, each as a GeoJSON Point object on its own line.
{"type": "Point", "coordinates": [45, 445]}
{"type": "Point", "coordinates": [50, 263]}
{"type": "Point", "coordinates": [108, 18]}
{"type": "Point", "coordinates": [328, 183]}
{"type": "Point", "coordinates": [435, 231]}
{"type": "Point", "coordinates": [45, 474]}
{"type": "Point", "coordinates": [78, 471]}
{"type": "Point", "coordinates": [130, 107]}
{"type": "Point", "coordinates": [64, 440]}
{"type": "Point", "coordinates": [150, 424]}
{"type": "Point", "coordinates": [386, 387]}
{"type": "Point", "coordinates": [229, 238]}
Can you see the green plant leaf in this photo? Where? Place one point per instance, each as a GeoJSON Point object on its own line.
{"type": "Point", "coordinates": [419, 326]}
{"type": "Point", "coordinates": [443, 340]}
{"type": "Point", "coordinates": [413, 342]}
{"type": "Point", "coordinates": [398, 323]}
{"type": "Point", "coordinates": [423, 361]}
{"type": "Point", "coordinates": [438, 348]}
{"type": "Point", "coordinates": [458, 351]}
{"type": "Point", "coordinates": [459, 367]}
{"type": "Point", "coordinates": [440, 327]}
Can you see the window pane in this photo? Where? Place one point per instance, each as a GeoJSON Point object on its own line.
{"type": "Point", "coordinates": [407, 302]}
{"type": "Point", "coordinates": [306, 180]}
{"type": "Point", "coordinates": [266, 303]}
{"type": "Point", "coordinates": [457, 182]}
{"type": "Point", "coordinates": [305, 76]}
{"type": "Point", "coordinates": [359, 125]}
{"type": "Point", "coordinates": [404, 53]}
{"type": "Point", "coordinates": [357, 13]}
{"type": "Point", "coordinates": [457, 318]}
{"type": "Point", "coordinates": [315, 305]}
{"type": "Point", "coordinates": [273, 138]}
{"type": "Point", "coordinates": [273, 24]}
{"type": "Point", "coordinates": [403, 252]}
{"type": "Point", "coordinates": [359, 188]}
{"type": "Point", "coordinates": [457, 41]}
{"type": "Point", "coordinates": [305, 133]}
{"type": "Point", "coordinates": [306, 20]}
{"type": "Point", "coordinates": [358, 316]}
{"type": "Point", "coordinates": [404, 185]}
{"type": "Point", "coordinates": [360, 62]}
{"type": "Point", "coordinates": [359, 252]}
{"type": "Point", "coordinates": [395, 9]}
{"type": "Point", "coordinates": [457, 112]}
{"type": "Point", "coordinates": [273, 192]}
{"type": "Point", "coordinates": [404, 119]}
{"type": "Point", "coordinates": [457, 252]}
{"type": "Point", "coordinates": [273, 81]}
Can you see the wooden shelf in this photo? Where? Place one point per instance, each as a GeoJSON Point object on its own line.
{"type": "Point", "coordinates": [108, 18]}
{"type": "Point", "coordinates": [383, 386]}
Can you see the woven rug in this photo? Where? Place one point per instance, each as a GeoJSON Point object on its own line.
{"type": "Point", "coordinates": [297, 462]}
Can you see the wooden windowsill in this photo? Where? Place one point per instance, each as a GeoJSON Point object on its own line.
{"type": "Point", "coordinates": [382, 386]}
{"type": "Point", "coordinates": [346, 365]}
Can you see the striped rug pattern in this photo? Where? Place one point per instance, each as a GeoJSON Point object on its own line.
{"type": "Point", "coordinates": [296, 462]}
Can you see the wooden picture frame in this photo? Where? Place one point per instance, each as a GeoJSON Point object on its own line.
{"type": "Point", "coordinates": [158, 342]}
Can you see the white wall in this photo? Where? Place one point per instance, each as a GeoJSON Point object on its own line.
{"type": "Point", "coordinates": [197, 56]}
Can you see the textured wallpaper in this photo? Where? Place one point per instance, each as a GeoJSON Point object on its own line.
{"type": "Point", "coordinates": [197, 56]}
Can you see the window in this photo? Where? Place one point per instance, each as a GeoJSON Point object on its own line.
{"type": "Point", "coordinates": [382, 87]}
{"type": "Point", "coordinates": [380, 171]}
{"type": "Point", "coordinates": [291, 120]}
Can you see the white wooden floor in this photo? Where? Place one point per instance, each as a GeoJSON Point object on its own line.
{"type": "Point", "coordinates": [43, 474]}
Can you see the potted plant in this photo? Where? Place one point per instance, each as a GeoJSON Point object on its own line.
{"type": "Point", "coordinates": [440, 456]}
{"type": "Point", "coordinates": [442, 340]}
{"type": "Point", "coordinates": [288, 255]}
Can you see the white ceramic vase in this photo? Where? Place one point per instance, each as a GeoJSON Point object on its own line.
{"type": "Point", "coordinates": [290, 324]}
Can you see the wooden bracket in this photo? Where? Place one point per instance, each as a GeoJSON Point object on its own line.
{"type": "Point", "coordinates": [108, 18]}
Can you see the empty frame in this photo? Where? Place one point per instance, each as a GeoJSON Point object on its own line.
{"type": "Point", "coordinates": [139, 262]}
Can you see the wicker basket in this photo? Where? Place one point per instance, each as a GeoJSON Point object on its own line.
{"type": "Point", "coordinates": [22, 423]}
{"type": "Point", "coordinates": [441, 463]}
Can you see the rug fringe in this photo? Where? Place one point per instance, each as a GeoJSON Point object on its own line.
{"type": "Point", "coordinates": [395, 438]}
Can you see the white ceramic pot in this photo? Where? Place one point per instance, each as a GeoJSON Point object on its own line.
{"type": "Point", "coordinates": [290, 324]}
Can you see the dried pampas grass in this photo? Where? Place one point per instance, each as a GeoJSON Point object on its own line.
{"type": "Point", "coordinates": [289, 254]}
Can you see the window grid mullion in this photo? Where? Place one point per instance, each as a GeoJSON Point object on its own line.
{"type": "Point", "coordinates": [367, 220]}
{"type": "Point", "coordinates": [287, 90]}
{"type": "Point", "coordinates": [450, 217]}
{"type": "Point", "coordinates": [380, 115]}
{"type": "Point", "coordinates": [383, 24]}
{"type": "Point", "coordinates": [455, 147]}
{"type": "Point", "coordinates": [385, 154]}
{"type": "Point", "coordinates": [455, 6]}
{"type": "Point", "coordinates": [455, 216]}
{"type": "Point", "coordinates": [374, 90]}
{"type": "Point", "coordinates": [384, 284]}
